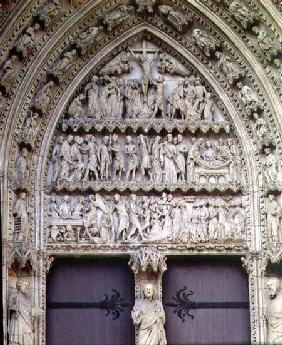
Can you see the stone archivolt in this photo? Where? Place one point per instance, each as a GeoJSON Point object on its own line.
{"type": "Point", "coordinates": [144, 120]}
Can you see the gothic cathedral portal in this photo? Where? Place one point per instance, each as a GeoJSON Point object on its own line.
{"type": "Point", "coordinates": [141, 172]}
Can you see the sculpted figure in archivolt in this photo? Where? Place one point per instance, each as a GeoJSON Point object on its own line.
{"type": "Point", "coordinates": [149, 318]}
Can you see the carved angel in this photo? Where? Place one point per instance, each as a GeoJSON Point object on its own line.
{"type": "Point", "coordinates": [242, 14]}
{"type": "Point", "coordinates": [208, 44]}
{"type": "Point", "coordinates": [175, 18]}
{"type": "Point", "coordinates": [117, 16]}
{"type": "Point", "coordinates": [230, 69]}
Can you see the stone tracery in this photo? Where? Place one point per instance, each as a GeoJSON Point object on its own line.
{"type": "Point", "coordinates": [157, 117]}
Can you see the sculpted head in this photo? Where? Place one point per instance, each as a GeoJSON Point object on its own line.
{"type": "Point", "coordinates": [273, 286]}
{"type": "Point", "coordinates": [148, 291]}
{"type": "Point", "coordinates": [22, 286]}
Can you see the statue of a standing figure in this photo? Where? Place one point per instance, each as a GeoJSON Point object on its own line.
{"type": "Point", "coordinates": [21, 316]}
{"type": "Point", "coordinates": [149, 318]}
{"type": "Point", "coordinates": [274, 314]}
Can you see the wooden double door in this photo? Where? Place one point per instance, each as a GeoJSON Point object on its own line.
{"type": "Point", "coordinates": [89, 302]}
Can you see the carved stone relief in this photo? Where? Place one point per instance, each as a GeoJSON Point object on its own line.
{"type": "Point", "coordinates": [149, 219]}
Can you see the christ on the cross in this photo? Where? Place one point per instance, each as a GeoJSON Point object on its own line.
{"type": "Point", "coordinates": [146, 66]}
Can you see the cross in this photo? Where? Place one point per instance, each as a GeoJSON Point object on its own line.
{"type": "Point", "coordinates": [144, 50]}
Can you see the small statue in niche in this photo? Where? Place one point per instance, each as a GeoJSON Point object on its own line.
{"type": "Point", "coordinates": [64, 64]}
{"type": "Point", "coordinates": [270, 167]}
{"type": "Point", "coordinates": [250, 99]}
{"type": "Point", "coordinates": [43, 97]}
{"type": "Point", "coordinates": [26, 40]}
{"type": "Point", "coordinates": [104, 158]}
{"type": "Point", "coordinates": [85, 38]}
{"type": "Point", "coordinates": [9, 73]}
{"type": "Point", "coordinates": [242, 14]}
{"type": "Point", "coordinates": [132, 158]}
{"type": "Point", "coordinates": [115, 17]}
{"type": "Point", "coordinates": [274, 313]}
{"type": "Point", "coordinates": [149, 318]}
{"type": "Point", "coordinates": [205, 42]}
{"type": "Point", "coordinates": [229, 68]}
{"type": "Point", "coordinates": [269, 46]}
{"type": "Point", "coordinates": [21, 218]}
{"type": "Point", "coordinates": [22, 168]}
{"type": "Point", "coordinates": [92, 94]}
{"type": "Point", "coordinates": [175, 18]}
{"type": "Point", "coordinates": [273, 217]}
{"type": "Point", "coordinates": [145, 5]}
{"type": "Point", "coordinates": [29, 129]}
{"type": "Point", "coordinates": [21, 316]}
{"type": "Point", "coordinates": [49, 11]}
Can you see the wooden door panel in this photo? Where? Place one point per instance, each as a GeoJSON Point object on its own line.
{"type": "Point", "coordinates": [74, 283]}
{"type": "Point", "coordinates": [216, 280]}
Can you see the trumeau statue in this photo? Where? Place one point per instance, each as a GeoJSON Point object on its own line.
{"type": "Point", "coordinates": [149, 318]}
{"type": "Point", "coordinates": [274, 311]}
{"type": "Point", "coordinates": [21, 316]}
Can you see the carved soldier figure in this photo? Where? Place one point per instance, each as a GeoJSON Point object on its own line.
{"type": "Point", "coordinates": [230, 69]}
{"type": "Point", "coordinates": [104, 158]}
{"type": "Point", "coordinates": [149, 318]}
{"type": "Point", "coordinates": [92, 93]}
{"type": "Point", "coordinates": [134, 218]}
{"type": "Point", "coordinates": [176, 103]}
{"type": "Point", "coordinates": [21, 212]}
{"type": "Point", "coordinates": [200, 97]}
{"type": "Point", "coordinates": [208, 44]}
{"type": "Point", "coordinates": [21, 316]}
{"type": "Point", "coordinates": [177, 19]}
{"type": "Point", "coordinates": [159, 100]}
{"type": "Point", "coordinates": [273, 217]}
{"type": "Point", "coordinates": [181, 149]}
{"type": "Point", "coordinates": [43, 97]}
{"type": "Point", "coordinates": [92, 158]}
{"type": "Point", "coordinates": [133, 98]}
{"type": "Point", "coordinates": [169, 153]}
{"type": "Point", "coordinates": [274, 312]}
{"type": "Point", "coordinates": [156, 160]}
{"type": "Point", "coordinates": [209, 108]}
{"type": "Point", "coordinates": [133, 161]}
{"type": "Point", "coordinates": [145, 164]}
{"type": "Point", "coordinates": [22, 168]}
{"type": "Point", "coordinates": [123, 218]}
{"type": "Point", "coordinates": [118, 160]}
